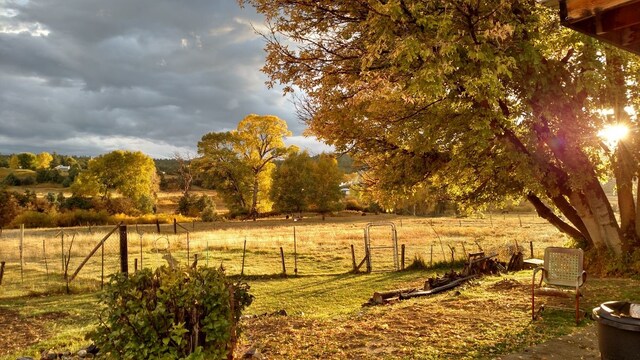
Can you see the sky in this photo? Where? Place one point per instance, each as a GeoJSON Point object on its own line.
{"type": "Point", "coordinates": [85, 77]}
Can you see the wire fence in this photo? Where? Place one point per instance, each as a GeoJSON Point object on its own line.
{"type": "Point", "coordinates": [38, 260]}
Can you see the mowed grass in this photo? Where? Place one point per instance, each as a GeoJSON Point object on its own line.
{"type": "Point", "coordinates": [21, 173]}
{"type": "Point", "coordinates": [323, 302]}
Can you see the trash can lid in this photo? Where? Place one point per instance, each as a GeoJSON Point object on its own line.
{"type": "Point", "coordinates": [617, 314]}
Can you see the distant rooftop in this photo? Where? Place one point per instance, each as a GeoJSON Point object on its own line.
{"type": "Point", "coordinates": [614, 21]}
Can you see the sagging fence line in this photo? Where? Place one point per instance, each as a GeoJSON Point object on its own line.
{"type": "Point", "coordinates": [242, 251]}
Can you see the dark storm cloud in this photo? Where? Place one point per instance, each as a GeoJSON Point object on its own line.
{"type": "Point", "coordinates": [89, 76]}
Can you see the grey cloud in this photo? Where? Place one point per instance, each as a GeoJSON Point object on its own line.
{"type": "Point", "coordinates": [158, 71]}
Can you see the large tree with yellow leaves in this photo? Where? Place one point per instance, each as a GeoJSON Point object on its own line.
{"type": "Point", "coordinates": [490, 100]}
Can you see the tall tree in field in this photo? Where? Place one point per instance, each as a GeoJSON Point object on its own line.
{"type": "Point", "coordinates": [325, 192]}
{"type": "Point", "coordinates": [43, 160]}
{"type": "Point", "coordinates": [132, 174]}
{"type": "Point", "coordinates": [185, 174]}
{"type": "Point", "coordinates": [251, 149]}
{"type": "Point", "coordinates": [27, 161]}
{"type": "Point", "coordinates": [293, 183]}
{"type": "Point", "coordinates": [493, 100]}
{"type": "Point", "coordinates": [14, 162]}
{"type": "Point", "coordinates": [221, 167]}
{"type": "Point", "coordinates": [260, 141]}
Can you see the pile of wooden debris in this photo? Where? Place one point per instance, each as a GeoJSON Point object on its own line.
{"type": "Point", "coordinates": [478, 264]}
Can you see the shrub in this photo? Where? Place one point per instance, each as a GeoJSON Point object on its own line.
{"type": "Point", "coordinates": [80, 217]}
{"type": "Point", "coordinates": [27, 199]}
{"type": "Point", "coordinates": [77, 202]}
{"type": "Point", "coordinates": [9, 207]}
{"type": "Point", "coordinates": [28, 180]}
{"type": "Point", "coordinates": [187, 205]}
{"type": "Point", "coordinates": [209, 214]}
{"type": "Point", "coordinates": [121, 205]}
{"type": "Point", "coordinates": [204, 202]}
{"type": "Point", "coordinates": [35, 219]}
{"type": "Point", "coordinates": [49, 176]}
{"type": "Point", "coordinates": [11, 180]}
{"type": "Point", "coordinates": [170, 314]}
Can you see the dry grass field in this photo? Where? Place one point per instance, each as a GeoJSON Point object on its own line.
{"type": "Point", "coordinates": [323, 301]}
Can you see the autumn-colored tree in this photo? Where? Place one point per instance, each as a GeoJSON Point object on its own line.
{"type": "Point", "coordinates": [243, 160]}
{"type": "Point", "coordinates": [293, 181]}
{"type": "Point", "coordinates": [185, 174]}
{"type": "Point", "coordinates": [132, 174]}
{"type": "Point", "coordinates": [220, 167]}
{"type": "Point", "coordinates": [43, 160]}
{"type": "Point", "coordinates": [27, 161]}
{"type": "Point", "coordinates": [492, 100]}
{"type": "Point", "coordinates": [325, 192]}
{"type": "Point", "coordinates": [9, 207]}
{"type": "Point", "coordinates": [14, 162]}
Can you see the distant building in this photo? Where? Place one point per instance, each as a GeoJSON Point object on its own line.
{"type": "Point", "coordinates": [62, 168]}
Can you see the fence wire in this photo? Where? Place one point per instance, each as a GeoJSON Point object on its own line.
{"type": "Point", "coordinates": [42, 260]}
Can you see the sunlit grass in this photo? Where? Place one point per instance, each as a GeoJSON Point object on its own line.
{"type": "Point", "coordinates": [323, 294]}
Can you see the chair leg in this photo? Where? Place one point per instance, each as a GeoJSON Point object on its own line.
{"type": "Point", "coordinates": [577, 307]}
{"type": "Point", "coordinates": [533, 297]}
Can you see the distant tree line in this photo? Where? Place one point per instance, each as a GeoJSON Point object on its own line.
{"type": "Point", "coordinates": [250, 168]}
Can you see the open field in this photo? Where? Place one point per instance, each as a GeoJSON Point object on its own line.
{"type": "Point", "coordinates": [21, 173]}
{"type": "Point", "coordinates": [325, 319]}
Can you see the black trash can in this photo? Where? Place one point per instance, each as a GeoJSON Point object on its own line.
{"type": "Point", "coordinates": [618, 332]}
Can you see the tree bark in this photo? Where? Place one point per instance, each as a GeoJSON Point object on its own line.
{"type": "Point", "coordinates": [546, 213]}
{"type": "Point", "coordinates": [254, 200]}
{"type": "Point", "coordinates": [638, 208]}
{"type": "Point", "coordinates": [623, 171]}
{"type": "Point", "coordinates": [598, 214]}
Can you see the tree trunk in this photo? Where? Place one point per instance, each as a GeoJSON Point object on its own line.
{"type": "Point", "coordinates": [254, 200]}
{"type": "Point", "coordinates": [546, 213]}
{"type": "Point", "coordinates": [598, 214]}
{"type": "Point", "coordinates": [599, 219]}
{"type": "Point", "coordinates": [624, 189]}
{"type": "Point", "coordinates": [638, 208]}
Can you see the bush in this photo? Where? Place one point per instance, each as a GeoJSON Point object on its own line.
{"type": "Point", "coordinates": [77, 202]}
{"type": "Point", "coordinates": [209, 214]}
{"type": "Point", "coordinates": [121, 205]}
{"type": "Point", "coordinates": [9, 208]}
{"type": "Point", "coordinates": [187, 205]}
{"type": "Point", "coordinates": [34, 219]}
{"type": "Point", "coordinates": [170, 314]}
{"type": "Point", "coordinates": [49, 176]}
{"type": "Point", "coordinates": [11, 180]}
{"type": "Point", "coordinates": [81, 217]}
{"type": "Point", "coordinates": [28, 180]}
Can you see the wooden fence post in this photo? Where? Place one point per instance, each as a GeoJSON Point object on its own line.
{"type": "Point", "coordinates": [402, 259]}
{"type": "Point", "coordinates": [244, 253]}
{"type": "Point", "coordinates": [284, 268]}
{"type": "Point", "coordinates": [62, 248]}
{"type": "Point", "coordinates": [431, 260]}
{"type": "Point", "coordinates": [353, 257]}
{"type": "Point", "coordinates": [124, 254]}
{"type": "Point", "coordinates": [175, 226]}
{"type": "Point", "coordinates": [1, 271]}
{"type": "Point", "coordinates": [158, 225]}
{"type": "Point", "coordinates": [195, 261]}
{"type": "Point", "coordinates": [531, 248]}
{"type": "Point", "coordinates": [21, 252]}
{"type": "Point", "coordinates": [295, 253]}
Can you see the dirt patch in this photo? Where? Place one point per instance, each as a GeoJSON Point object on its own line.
{"type": "Point", "coordinates": [582, 344]}
{"type": "Point", "coordinates": [456, 325]}
{"type": "Point", "coordinates": [19, 332]}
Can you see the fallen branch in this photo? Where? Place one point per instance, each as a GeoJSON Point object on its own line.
{"type": "Point", "coordinates": [436, 290]}
{"type": "Point", "coordinates": [380, 297]}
